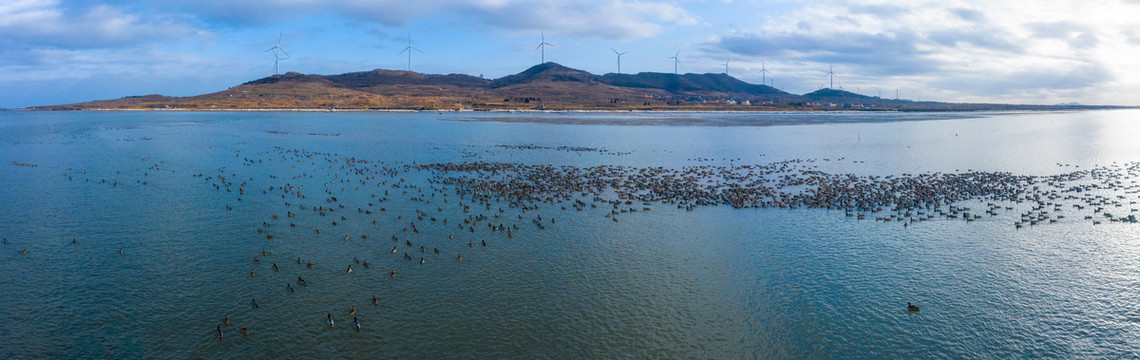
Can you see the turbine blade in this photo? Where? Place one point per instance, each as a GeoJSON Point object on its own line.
{"type": "Point", "coordinates": [283, 52]}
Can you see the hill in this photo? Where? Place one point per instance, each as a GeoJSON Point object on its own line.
{"type": "Point", "coordinates": [692, 84]}
{"type": "Point", "coordinates": [545, 86]}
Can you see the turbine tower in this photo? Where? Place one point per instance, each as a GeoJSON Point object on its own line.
{"type": "Point", "coordinates": [277, 51]}
{"type": "Point", "coordinates": [542, 46]}
{"type": "Point", "coordinates": [409, 49]}
{"type": "Point", "coordinates": [726, 66]}
{"type": "Point", "coordinates": [676, 61]}
{"type": "Point", "coordinates": [763, 74]}
{"type": "Point", "coordinates": [619, 54]}
{"type": "Point", "coordinates": [832, 75]}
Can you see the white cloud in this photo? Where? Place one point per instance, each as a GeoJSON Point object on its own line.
{"type": "Point", "coordinates": [603, 19]}
{"type": "Point", "coordinates": [1025, 51]}
{"type": "Point", "coordinates": [47, 23]}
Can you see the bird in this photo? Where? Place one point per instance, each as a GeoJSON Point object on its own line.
{"type": "Point", "coordinates": [218, 332]}
{"type": "Point", "coordinates": [911, 307]}
{"type": "Point", "coordinates": [355, 324]}
{"type": "Point", "coordinates": [330, 321]}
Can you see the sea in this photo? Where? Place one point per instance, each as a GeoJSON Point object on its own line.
{"type": "Point", "coordinates": [135, 234]}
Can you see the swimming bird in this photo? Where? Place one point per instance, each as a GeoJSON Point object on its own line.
{"type": "Point", "coordinates": [218, 332]}
{"type": "Point", "coordinates": [302, 282]}
{"type": "Point", "coordinates": [24, 252]}
{"type": "Point", "coordinates": [288, 287]}
{"type": "Point", "coordinates": [911, 307]}
{"type": "Point", "coordinates": [330, 321]}
{"type": "Point", "coordinates": [375, 301]}
{"type": "Point", "coordinates": [352, 311]}
{"type": "Point", "coordinates": [355, 324]}
{"type": "Point", "coordinates": [226, 320]}
{"type": "Point", "coordinates": [254, 303]}
{"type": "Point", "coordinates": [244, 330]}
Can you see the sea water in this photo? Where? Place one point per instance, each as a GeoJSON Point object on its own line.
{"type": "Point", "coordinates": [141, 234]}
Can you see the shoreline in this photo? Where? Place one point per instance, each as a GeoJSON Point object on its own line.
{"type": "Point", "coordinates": [1015, 108]}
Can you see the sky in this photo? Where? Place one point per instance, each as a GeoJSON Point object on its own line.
{"type": "Point", "coordinates": [1011, 51]}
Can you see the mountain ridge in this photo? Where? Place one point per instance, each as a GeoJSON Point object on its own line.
{"type": "Point", "coordinates": [546, 86]}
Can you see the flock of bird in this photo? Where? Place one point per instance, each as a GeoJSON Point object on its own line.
{"type": "Point", "coordinates": [331, 197]}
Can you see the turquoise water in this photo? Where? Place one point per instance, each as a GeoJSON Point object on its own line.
{"type": "Point", "coordinates": [711, 282]}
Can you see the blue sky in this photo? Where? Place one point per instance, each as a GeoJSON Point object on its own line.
{"type": "Point", "coordinates": [1036, 52]}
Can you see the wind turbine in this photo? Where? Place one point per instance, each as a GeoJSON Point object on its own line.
{"type": "Point", "coordinates": [763, 74]}
{"type": "Point", "coordinates": [676, 61]}
{"type": "Point", "coordinates": [409, 49]}
{"type": "Point", "coordinates": [726, 66]}
{"type": "Point", "coordinates": [542, 46]}
{"type": "Point", "coordinates": [277, 51]}
{"type": "Point", "coordinates": [619, 54]}
{"type": "Point", "coordinates": [832, 75]}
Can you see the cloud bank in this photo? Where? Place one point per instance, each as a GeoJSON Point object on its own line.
{"type": "Point", "coordinates": [1020, 50]}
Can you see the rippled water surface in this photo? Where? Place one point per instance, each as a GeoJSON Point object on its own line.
{"type": "Point", "coordinates": [190, 200]}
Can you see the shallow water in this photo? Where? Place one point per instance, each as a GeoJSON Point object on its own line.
{"type": "Point", "coordinates": [714, 282]}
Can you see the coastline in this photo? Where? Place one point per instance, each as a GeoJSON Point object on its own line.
{"type": "Point", "coordinates": [1003, 108]}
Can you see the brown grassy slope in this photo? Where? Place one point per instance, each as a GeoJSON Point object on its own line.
{"type": "Point", "coordinates": [544, 86]}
